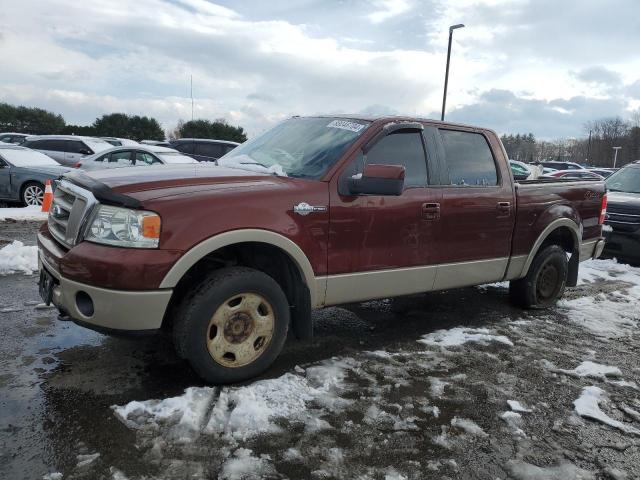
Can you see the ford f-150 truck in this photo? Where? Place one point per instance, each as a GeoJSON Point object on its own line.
{"type": "Point", "coordinates": [317, 211]}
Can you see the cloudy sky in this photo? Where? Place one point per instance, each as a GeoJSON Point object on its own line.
{"type": "Point", "coordinates": [544, 66]}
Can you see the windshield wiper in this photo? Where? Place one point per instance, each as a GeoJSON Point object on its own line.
{"type": "Point", "coordinates": [253, 163]}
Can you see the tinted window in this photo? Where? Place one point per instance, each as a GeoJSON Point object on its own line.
{"type": "Point", "coordinates": [402, 148]}
{"type": "Point", "coordinates": [228, 148]}
{"type": "Point", "coordinates": [468, 158]}
{"type": "Point", "coordinates": [209, 149]}
{"type": "Point", "coordinates": [144, 158]}
{"type": "Point", "coordinates": [186, 147]}
{"type": "Point", "coordinates": [121, 158]}
{"type": "Point", "coordinates": [52, 145]}
{"type": "Point", "coordinates": [76, 146]}
{"type": "Point", "coordinates": [102, 158]}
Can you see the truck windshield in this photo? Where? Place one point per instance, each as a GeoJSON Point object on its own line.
{"type": "Point", "coordinates": [299, 147]}
{"type": "Point", "coordinates": [625, 180]}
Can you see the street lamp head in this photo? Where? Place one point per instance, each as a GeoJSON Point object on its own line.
{"type": "Point", "coordinates": [454, 27]}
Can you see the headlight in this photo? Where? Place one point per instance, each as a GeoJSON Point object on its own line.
{"type": "Point", "coordinates": [124, 227]}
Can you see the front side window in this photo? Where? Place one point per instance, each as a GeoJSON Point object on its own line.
{"type": "Point", "coordinates": [469, 159]}
{"type": "Point", "coordinates": [626, 179]}
{"type": "Point", "coordinates": [144, 158]}
{"type": "Point", "coordinates": [184, 147]}
{"type": "Point", "coordinates": [299, 147]}
{"type": "Point", "coordinates": [402, 148]}
{"type": "Point", "coordinates": [75, 146]}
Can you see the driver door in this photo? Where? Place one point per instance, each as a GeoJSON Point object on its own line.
{"type": "Point", "coordinates": [385, 244]}
{"type": "Point", "coordinates": [5, 180]}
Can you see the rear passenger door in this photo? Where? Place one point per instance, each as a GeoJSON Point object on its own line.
{"type": "Point", "coordinates": [477, 210]}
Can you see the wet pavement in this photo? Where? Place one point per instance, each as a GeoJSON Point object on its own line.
{"type": "Point", "coordinates": [399, 409]}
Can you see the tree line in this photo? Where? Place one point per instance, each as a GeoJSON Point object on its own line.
{"type": "Point", "coordinates": [36, 121]}
{"type": "Point", "coordinates": [595, 148]}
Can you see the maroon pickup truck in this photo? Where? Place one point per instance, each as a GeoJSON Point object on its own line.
{"type": "Point", "coordinates": [317, 211]}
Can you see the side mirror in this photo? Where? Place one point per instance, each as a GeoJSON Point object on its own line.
{"type": "Point", "coordinates": [85, 151]}
{"type": "Point", "coordinates": [378, 180]}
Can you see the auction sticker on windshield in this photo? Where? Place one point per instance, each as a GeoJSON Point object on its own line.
{"type": "Point", "coordinates": [346, 125]}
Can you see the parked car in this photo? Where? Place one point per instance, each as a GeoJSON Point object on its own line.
{"type": "Point", "coordinates": [523, 171]}
{"type": "Point", "coordinates": [141, 155]}
{"type": "Point", "coordinates": [603, 172]}
{"type": "Point", "coordinates": [623, 214]}
{"type": "Point", "coordinates": [317, 211]}
{"type": "Point", "coordinates": [23, 173]}
{"type": "Point", "coordinates": [66, 149]}
{"type": "Point", "coordinates": [119, 142]}
{"type": "Point", "coordinates": [158, 143]}
{"type": "Point", "coordinates": [560, 165]}
{"type": "Point", "coordinates": [203, 150]}
{"type": "Point", "coordinates": [14, 138]}
{"type": "Point", "coordinates": [576, 174]}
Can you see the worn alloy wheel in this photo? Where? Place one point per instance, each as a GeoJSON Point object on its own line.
{"type": "Point", "coordinates": [545, 281]}
{"type": "Point", "coordinates": [32, 194]}
{"type": "Point", "coordinates": [240, 330]}
{"type": "Point", "coordinates": [232, 325]}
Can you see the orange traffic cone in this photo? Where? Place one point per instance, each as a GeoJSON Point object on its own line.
{"type": "Point", "coordinates": [48, 196]}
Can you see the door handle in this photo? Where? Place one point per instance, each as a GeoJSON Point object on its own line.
{"type": "Point", "coordinates": [504, 207]}
{"type": "Point", "coordinates": [431, 211]}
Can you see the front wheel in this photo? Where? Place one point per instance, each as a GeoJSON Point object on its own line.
{"type": "Point", "coordinates": [32, 194]}
{"type": "Point", "coordinates": [232, 325]}
{"type": "Point", "coordinates": [545, 281]}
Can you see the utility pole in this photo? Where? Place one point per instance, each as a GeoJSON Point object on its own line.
{"type": "Point", "coordinates": [615, 155]}
{"type": "Point", "coordinates": [446, 75]}
{"type": "Point", "coordinates": [192, 98]}
{"type": "Point", "coordinates": [588, 149]}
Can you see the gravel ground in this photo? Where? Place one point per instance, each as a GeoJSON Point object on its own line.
{"type": "Point", "coordinates": [422, 387]}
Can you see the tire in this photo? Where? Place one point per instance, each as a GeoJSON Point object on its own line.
{"type": "Point", "coordinates": [545, 281]}
{"type": "Point", "coordinates": [32, 193]}
{"type": "Point", "coordinates": [232, 325]}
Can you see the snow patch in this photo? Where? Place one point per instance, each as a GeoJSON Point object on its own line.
{"type": "Point", "coordinates": [459, 336]}
{"type": "Point", "coordinates": [18, 257]}
{"type": "Point", "coordinates": [469, 426]}
{"type": "Point", "coordinates": [587, 369]}
{"type": "Point", "coordinates": [565, 471]}
{"type": "Point", "coordinates": [31, 213]}
{"type": "Point", "coordinates": [517, 406]}
{"type": "Point", "coordinates": [86, 460]}
{"type": "Point", "coordinates": [244, 466]}
{"type": "Point", "coordinates": [588, 406]}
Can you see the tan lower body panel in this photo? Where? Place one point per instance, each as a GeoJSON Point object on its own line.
{"type": "Point", "coordinates": [112, 309]}
{"type": "Point", "coordinates": [356, 287]}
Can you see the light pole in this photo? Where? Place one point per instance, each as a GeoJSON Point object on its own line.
{"type": "Point", "coordinates": [615, 156]}
{"type": "Point", "coordinates": [446, 75]}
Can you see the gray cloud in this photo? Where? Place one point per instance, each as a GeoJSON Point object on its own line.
{"type": "Point", "coordinates": [598, 75]}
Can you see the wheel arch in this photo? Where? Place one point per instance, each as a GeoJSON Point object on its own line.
{"type": "Point", "coordinates": [566, 233]}
{"type": "Point", "coordinates": [287, 264]}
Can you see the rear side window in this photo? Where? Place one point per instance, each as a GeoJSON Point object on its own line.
{"type": "Point", "coordinates": [469, 159]}
{"type": "Point", "coordinates": [144, 158]}
{"type": "Point", "coordinates": [402, 148]}
{"type": "Point", "coordinates": [209, 149]}
{"type": "Point", "coordinates": [75, 146]}
{"type": "Point", "coordinates": [121, 158]}
{"type": "Point", "coordinates": [51, 145]}
{"type": "Point", "coordinates": [186, 147]}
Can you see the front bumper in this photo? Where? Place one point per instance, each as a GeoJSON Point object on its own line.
{"type": "Point", "coordinates": [624, 246]}
{"type": "Point", "coordinates": [108, 310]}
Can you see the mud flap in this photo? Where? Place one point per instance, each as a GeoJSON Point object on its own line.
{"type": "Point", "coordinates": [574, 265]}
{"type": "Point", "coordinates": [301, 321]}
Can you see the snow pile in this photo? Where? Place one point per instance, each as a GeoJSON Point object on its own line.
{"type": "Point", "coordinates": [18, 257]}
{"type": "Point", "coordinates": [32, 213]}
{"type": "Point", "coordinates": [468, 426]}
{"type": "Point", "coordinates": [244, 465]}
{"type": "Point", "coordinates": [565, 471]}
{"type": "Point", "coordinates": [608, 316]}
{"type": "Point", "coordinates": [513, 420]}
{"type": "Point", "coordinates": [459, 336]}
{"type": "Point", "coordinates": [588, 406]}
{"type": "Point", "coordinates": [587, 369]}
{"type": "Point", "coordinates": [242, 412]}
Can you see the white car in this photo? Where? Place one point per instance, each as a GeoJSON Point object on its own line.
{"type": "Point", "coordinates": [67, 150]}
{"type": "Point", "coordinates": [120, 142]}
{"type": "Point", "coordinates": [139, 155]}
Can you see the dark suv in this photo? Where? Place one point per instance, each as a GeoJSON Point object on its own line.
{"type": "Point", "coordinates": [203, 150]}
{"type": "Point", "coordinates": [623, 214]}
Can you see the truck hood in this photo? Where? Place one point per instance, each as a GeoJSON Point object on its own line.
{"type": "Point", "coordinates": [132, 185]}
{"type": "Point", "coordinates": [624, 198]}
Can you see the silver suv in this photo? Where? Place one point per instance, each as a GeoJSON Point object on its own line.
{"type": "Point", "coordinates": [66, 149]}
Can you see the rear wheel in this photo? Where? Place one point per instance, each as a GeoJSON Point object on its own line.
{"type": "Point", "coordinates": [32, 194]}
{"type": "Point", "coordinates": [233, 325]}
{"type": "Point", "coordinates": [545, 281]}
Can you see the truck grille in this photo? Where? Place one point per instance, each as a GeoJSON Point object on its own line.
{"type": "Point", "coordinates": [69, 211]}
{"type": "Point", "coordinates": [623, 214]}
